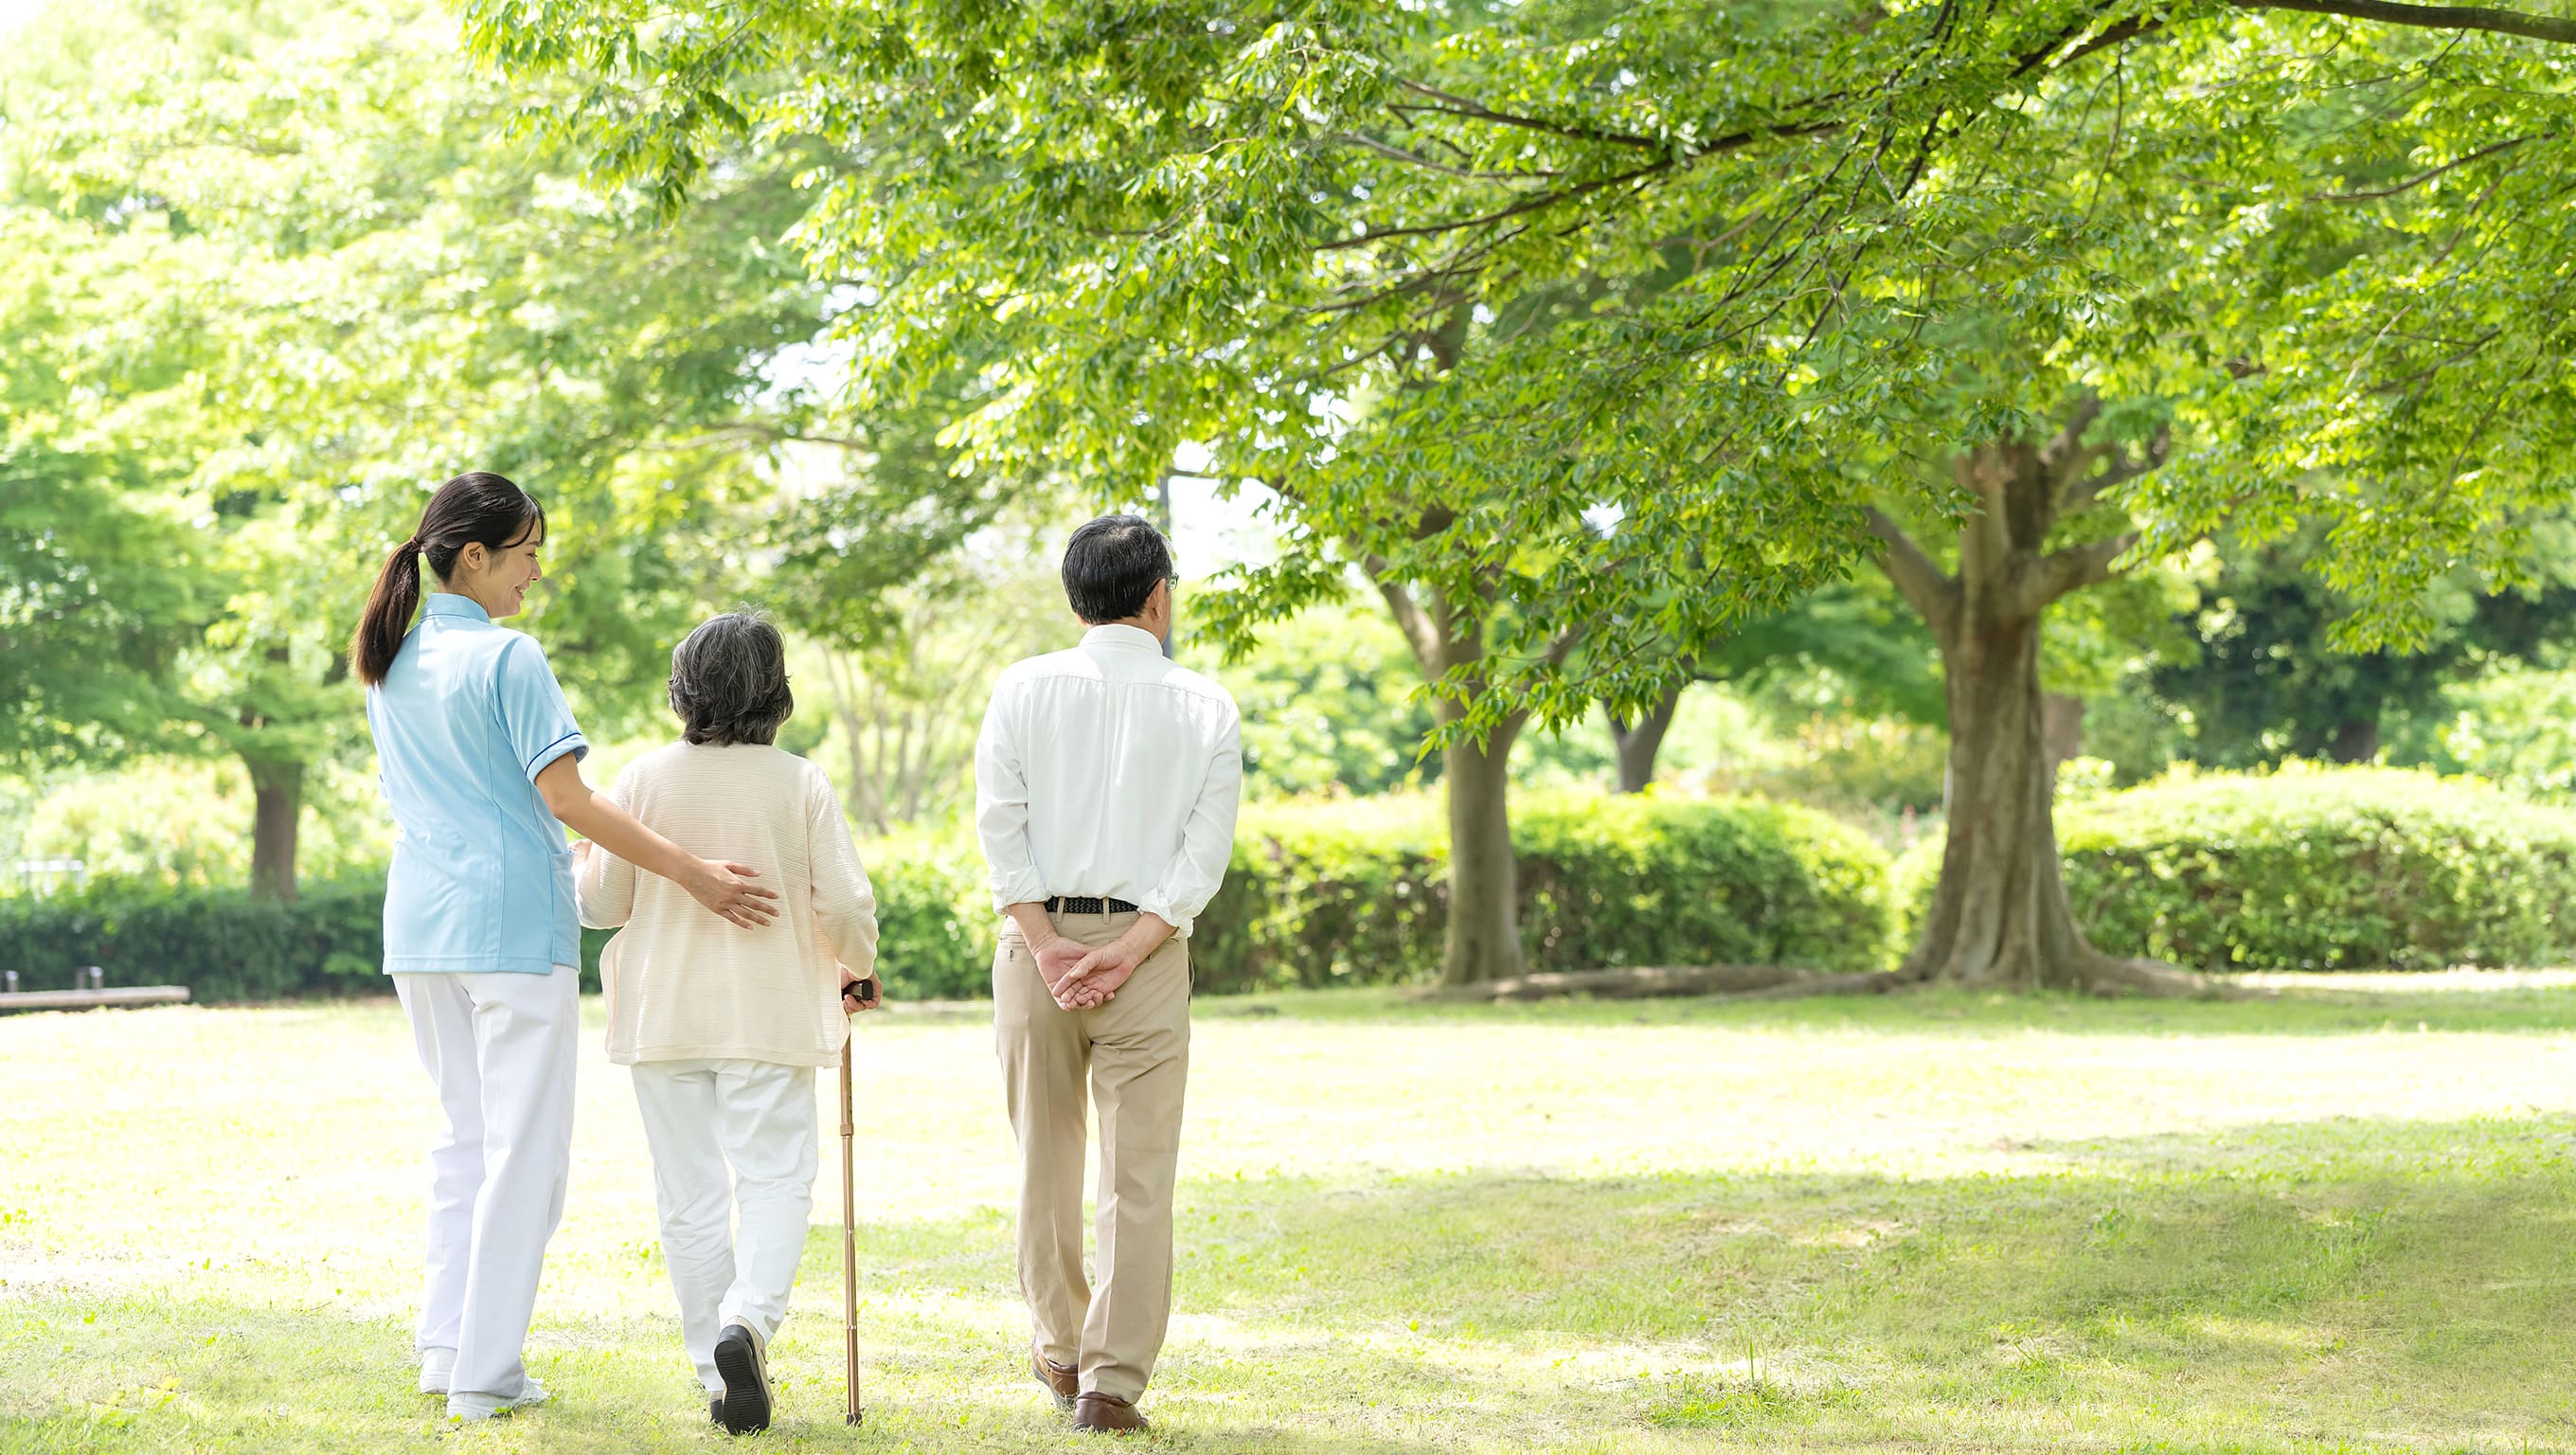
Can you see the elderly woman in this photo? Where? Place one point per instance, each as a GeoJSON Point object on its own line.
{"type": "Point", "coordinates": [724, 1030]}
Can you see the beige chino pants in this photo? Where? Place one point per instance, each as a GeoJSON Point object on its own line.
{"type": "Point", "coordinates": [1135, 1050]}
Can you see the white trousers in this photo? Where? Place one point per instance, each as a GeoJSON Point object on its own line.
{"type": "Point", "coordinates": [499, 1049]}
{"type": "Point", "coordinates": [757, 1117]}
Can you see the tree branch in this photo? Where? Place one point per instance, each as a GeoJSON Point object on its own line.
{"type": "Point", "coordinates": [1563, 647]}
{"type": "Point", "coordinates": [2420, 178]}
{"type": "Point", "coordinates": [2431, 17]}
{"type": "Point", "coordinates": [1915, 577]}
{"type": "Point", "coordinates": [2067, 448]}
{"type": "Point", "coordinates": [2071, 568]}
{"type": "Point", "coordinates": [2057, 57]}
{"type": "Point", "coordinates": [1429, 643]}
{"type": "Point", "coordinates": [1531, 204]}
{"type": "Point", "coordinates": [2080, 494]}
{"type": "Point", "coordinates": [762, 430]}
{"type": "Point", "coordinates": [1456, 105]}
{"type": "Point", "coordinates": [1399, 154]}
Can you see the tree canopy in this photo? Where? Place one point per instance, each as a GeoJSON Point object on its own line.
{"type": "Point", "coordinates": [1456, 276]}
{"type": "Point", "coordinates": [296, 269]}
{"type": "Point", "coordinates": [1589, 331]}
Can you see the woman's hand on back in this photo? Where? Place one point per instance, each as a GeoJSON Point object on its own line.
{"type": "Point", "coordinates": [726, 888]}
{"type": "Point", "coordinates": [723, 887]}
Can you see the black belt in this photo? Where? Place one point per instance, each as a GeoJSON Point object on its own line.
{"type": "Point", "coordinates": [1076, 904]}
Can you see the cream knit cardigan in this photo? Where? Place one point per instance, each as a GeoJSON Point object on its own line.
{"type": "Point", "coordinates": [684, 984]}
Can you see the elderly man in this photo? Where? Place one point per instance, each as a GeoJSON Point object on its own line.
{"type": "Point", "coordinates": [1105, 787]}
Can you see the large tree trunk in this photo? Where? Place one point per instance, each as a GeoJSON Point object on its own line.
{"type": "Point", "coordinates": [1484, 878]}
{"type": "Point", "coordinates": [2061, 729]}
{"type": "Point", "coordinates": [1639, 742]}
{"type": "Point", "coordinates": [2355, 741]}
{"type": "Point", "coordinates": [1484, 941]}
{"type": "Point", "coordinates": [1999, 915]}
{"type": "Point", "coordinates": [277, 800]}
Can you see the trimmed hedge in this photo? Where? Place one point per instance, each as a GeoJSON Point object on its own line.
{"type": "Point", "coordinates": [1317, 895]}
{"type": "Point", "coordinates": [936, 929]}
{"type": "Point", "coordinates": [1357, 894]}
{"type": "Point", "coordinates": [2302, 869]}
{"type": "Point", "coordinates": [225, 946]}
{"type": "Point", "coordinates": [222, 945]}
{"type": "Point", "coordinates": [2313, 868]}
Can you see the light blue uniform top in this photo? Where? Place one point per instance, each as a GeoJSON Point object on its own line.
{"type": "Point", "coordinates": [482, 877]}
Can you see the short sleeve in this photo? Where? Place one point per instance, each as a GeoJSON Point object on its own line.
{"type": "Point", "coordinates": [534, 715]}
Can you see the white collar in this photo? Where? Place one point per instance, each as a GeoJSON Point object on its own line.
{"type": "Point", "coordinates": [1115, 634]}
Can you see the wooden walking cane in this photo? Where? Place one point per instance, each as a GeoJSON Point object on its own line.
{"type": "Point", "coordinates": [849, 1239]}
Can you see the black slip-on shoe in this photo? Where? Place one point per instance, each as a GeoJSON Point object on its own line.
{"type": "Point", "coordinates": [745, 1406]}
{"type": "Point", "coordinates": [715, 1408]}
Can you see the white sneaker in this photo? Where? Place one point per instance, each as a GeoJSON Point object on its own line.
{"type": "Point", "coordinates": [471, 1407]}
{"type": "Point", "coordinates": [437, 1367]}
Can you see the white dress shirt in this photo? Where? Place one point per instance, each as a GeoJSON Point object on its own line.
{"type": "Point", "coordinates": [1108, 772]}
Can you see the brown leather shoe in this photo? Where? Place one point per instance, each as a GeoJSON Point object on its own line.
{"type": "Point", "coordinates": [1060, 1381]}
{"type": "Point", "coordinates": [1107, 1414]}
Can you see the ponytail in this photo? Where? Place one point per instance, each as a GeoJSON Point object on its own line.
{"type": "Point", "coordinates": [388, 616]}
{"type": "Point", "coordinates": [477, 507]}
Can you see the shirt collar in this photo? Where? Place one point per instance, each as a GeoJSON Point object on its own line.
{"type": "Point", "coordinates": [448, 603]}
{"type": "Point", "coordinates": [1131, 638]}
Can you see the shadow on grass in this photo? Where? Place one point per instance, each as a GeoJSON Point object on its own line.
{"type": "Point", "coordinates": [2336, 1285]}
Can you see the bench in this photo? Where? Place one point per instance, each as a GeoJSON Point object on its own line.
{"type": "Point", "coordinates": [90, 992]}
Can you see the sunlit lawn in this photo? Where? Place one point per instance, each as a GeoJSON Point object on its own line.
{"type": "Point", "coordinates": [2337, 1221]}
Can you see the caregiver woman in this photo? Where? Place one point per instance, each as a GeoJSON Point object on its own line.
{"type": "Point", "coordinates": [481, 762]}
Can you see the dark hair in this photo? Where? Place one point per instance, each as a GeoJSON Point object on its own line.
{"type": "Point", "coordinates": [1111, 565]}
{"type": "Point", "coordinates": [729, 681]}
{"type": "Point", "coordinates": [475, 507]}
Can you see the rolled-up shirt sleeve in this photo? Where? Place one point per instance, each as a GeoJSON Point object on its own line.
{"type": "Point", "coordinates": [534, 715]}
{"type": "Point", "coordinates": [1002, 808]}
{"type": "Point", "coordinates": [1197, 868]}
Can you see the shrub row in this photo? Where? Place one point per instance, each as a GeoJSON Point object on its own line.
{"type": "Point", "coordinates": [1346, 894]}
{"type": "Point", "coordinates": [2325, 870]}
{"type": "Point", "coordinates": [222, 945]}
{"type": "Point", "coordinates": [2305, 869]}
{"type": "Point", "coordinates": [1357, 894]}
{"type": "Point", "coordinates": [2313, 869]}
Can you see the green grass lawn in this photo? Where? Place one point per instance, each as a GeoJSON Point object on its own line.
{"type": "Point", "coordinates": [2336, 1221]}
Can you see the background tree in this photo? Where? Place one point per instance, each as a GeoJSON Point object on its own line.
{"type": "Point", "coordinates": [2257, 689]}
{"type": "Point", "coordinates": [98, 592]}
{"type": "Point", "coordinates": [908, 696]}
{"type": "Point", "coordinates": [1858, 632]}
{"type": "Point", "coordinates": [332, 275]}
{"type": "Point", "coordinates": [1331, 704]}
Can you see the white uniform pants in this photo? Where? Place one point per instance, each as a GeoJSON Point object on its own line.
{"type": "Point", "coordinates": [499, 1049]}
{"type": "Point", "coordinates": [758, 1117]}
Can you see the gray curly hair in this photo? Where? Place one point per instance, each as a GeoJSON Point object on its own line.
{"type": "Point", "coordinates": [729, 681]}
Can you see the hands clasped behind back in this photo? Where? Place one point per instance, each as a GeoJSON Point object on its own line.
{"type": "Point", "coordinates": [1057, 960]}
{"type": "Point", "coordinates": [1084, 977]}
{"type": "Point", "coordinates": [1097, 976]}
